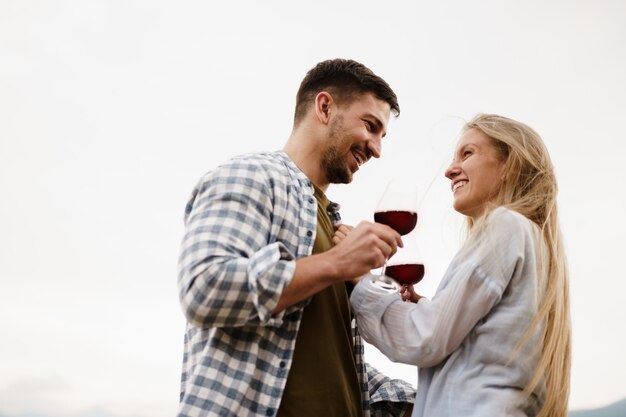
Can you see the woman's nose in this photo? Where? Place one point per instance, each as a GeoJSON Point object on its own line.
{"type": "Point", "coordinates": [452, 171]}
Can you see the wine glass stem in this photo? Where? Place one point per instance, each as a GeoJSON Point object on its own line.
{"type": "Point", "coordinates": [384, 278]}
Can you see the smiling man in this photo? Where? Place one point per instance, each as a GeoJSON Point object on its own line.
{"type": "Point", "coordinates": [262, 274]}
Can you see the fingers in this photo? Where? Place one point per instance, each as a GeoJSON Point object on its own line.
{"type": "Point", "coordinates": [389, 238]}
{"type": "Point", "coordinates": [362, 248]}
{"type": "Point", "coordinates": [382, 237]}
{"type": "Point", "coordinates": [389, 235]}
{"type": "Point", "coordinates": [407, 292]}
{"type": "Point", "coordinates": [344, 228]}
{"type": "Point", "coordinates": [341, 233]}
{"type": "Point", "coordinates": [386, 249]}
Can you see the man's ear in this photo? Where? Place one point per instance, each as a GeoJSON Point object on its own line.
{"type": "Point", "coordinates": [324, 106]}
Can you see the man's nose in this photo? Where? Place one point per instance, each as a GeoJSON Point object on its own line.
{"type": "Point", "coordinates": [375, 147]}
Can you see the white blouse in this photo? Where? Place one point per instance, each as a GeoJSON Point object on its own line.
{"type": "Point", "coordinates": [465, 340]}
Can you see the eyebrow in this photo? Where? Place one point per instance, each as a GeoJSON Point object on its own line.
{"type": "Point", "coordinates": [468, 144]}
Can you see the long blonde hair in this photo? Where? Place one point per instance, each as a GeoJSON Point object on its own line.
{"type": "Point", "coordinates": [530, 188]}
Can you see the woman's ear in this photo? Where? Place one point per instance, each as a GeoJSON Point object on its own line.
{"type": "Point", "coordinates": [503, 173]}
{"type": "Point", "coordinates": [503, 169]}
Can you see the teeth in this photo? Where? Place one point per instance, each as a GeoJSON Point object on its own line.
{"type": "Point", "coordinates": [458, 185]}
{"type": "Point", "coordinates": [358, 158]}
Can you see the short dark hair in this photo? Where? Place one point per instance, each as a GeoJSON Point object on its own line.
{"type": "Point", "coordinates": [344, 79]}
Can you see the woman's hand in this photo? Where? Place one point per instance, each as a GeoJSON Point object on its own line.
{"type": "Point", "coordinates": [408, 294]}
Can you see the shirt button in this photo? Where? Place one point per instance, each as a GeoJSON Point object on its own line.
{"type": "Point", "coordinates": [269, 412]}
{"type": "Point", "coordinates": [309, 233]}
{"type": "Point", "coordinates": [310, 200]}
{"type": "Point", "coordinates": [282, 364]}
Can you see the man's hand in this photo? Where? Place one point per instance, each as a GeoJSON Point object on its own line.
{"type": "Point", "coordinates": [360, 249]}
{"type": "Point", "coordinates": [341, 232]}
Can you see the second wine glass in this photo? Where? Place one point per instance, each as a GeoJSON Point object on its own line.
{"type": "Point", "coordinates": [406, 267]}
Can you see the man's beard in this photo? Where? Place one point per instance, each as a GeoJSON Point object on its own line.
{"type": "Point", "coordinates": [333, 161]}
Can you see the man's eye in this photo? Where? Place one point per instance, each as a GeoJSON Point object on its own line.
{"type": "Point", "coordinates": [369, 125]}
{"type": "Point", "coordinates": [466, 154]}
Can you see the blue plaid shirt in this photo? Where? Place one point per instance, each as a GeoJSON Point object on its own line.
{"type": "Point", "coordinates": [245, 225]}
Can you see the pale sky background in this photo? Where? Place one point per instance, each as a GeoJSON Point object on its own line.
{"type": "Point", "coordinates": [111, 110]}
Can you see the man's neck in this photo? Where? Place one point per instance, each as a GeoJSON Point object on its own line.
{"type": "Point", "coordinates": [305, 154]}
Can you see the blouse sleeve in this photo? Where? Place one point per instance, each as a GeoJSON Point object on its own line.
{"type": "Point", "coordinates": [425, 333]}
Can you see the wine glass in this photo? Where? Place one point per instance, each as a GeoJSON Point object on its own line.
{"type": "Point", "coordinates": [406, 267]}
{"type": "Point", "coordinates": [397, 209]}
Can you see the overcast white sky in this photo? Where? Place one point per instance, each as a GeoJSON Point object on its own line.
{"type": "Point", "coordinates": [111, 110]}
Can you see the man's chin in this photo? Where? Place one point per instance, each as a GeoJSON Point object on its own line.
{"type": "Point", "coordinates": [344, 179]}
{"type": "Point", "coordinates": [340, 176]}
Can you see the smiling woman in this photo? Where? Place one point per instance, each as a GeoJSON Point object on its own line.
{"type": "Point", "coordinates": [476, 173]}
{"type": "Point", "coordinates": [504, 294]}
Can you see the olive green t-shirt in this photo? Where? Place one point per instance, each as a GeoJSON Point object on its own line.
{"type": "Point", "coordinates": [323, 379]}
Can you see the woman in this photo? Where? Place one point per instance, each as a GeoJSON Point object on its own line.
{"type": "Point", "coordinates": [495, 338]}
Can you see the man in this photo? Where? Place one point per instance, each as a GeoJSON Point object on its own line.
{"type": "Point", "coordinates": [263, 277]}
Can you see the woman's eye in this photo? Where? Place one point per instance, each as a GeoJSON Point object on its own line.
{"type": "Point", "coordinates": [466, 154]}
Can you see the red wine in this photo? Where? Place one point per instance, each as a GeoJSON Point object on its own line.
{"type": "Point", "coordinates": [402, 221]}
{"type": "Point", "coordinates": [405, 274]}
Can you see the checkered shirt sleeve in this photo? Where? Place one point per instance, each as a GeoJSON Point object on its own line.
{"type": "Point", "coordinates": [381, 395]}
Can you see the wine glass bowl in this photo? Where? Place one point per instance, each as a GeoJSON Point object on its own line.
{"type": "Point", "coordinates": [402, 221]}
{"type": "Point", "coordinates": [405, 274]}
{"type": "Point", "coordinates": [406, 267]}
{"type": "Point", "coordinates": [397, 207]}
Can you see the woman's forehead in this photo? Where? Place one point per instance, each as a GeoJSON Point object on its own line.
{"type": "Point", "coordinates": [472, 137]}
